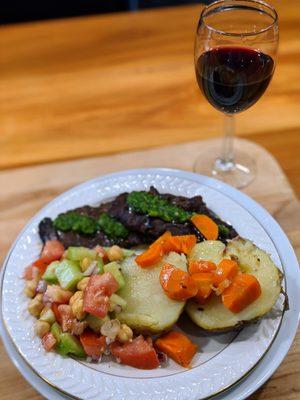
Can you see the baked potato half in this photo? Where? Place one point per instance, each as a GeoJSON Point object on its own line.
{"type": "Point", "coordinates": [149, 310]}
{"type": "Point", "coordinates": [214, 316]}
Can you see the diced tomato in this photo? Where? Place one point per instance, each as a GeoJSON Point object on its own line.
{"type": "Point", "coordinates": [54, 308]}
{"type": "Point", "coordinates": [93, 344]}
{"type": "Point", "coordinates": [55, 294]}
{"type": "Point", "coordinates": [96, 303]}
{"type": "Point", "coordinates": [106, 281]}
{"type": "Point", "coordinates": [66, 317]}
{"type": "Point", "coordinates": [48, 341]}
{"type": "Point", "coordinates": [31, 272]}
{"type": "Point", "coordinates": [97, 293]}
{"type": "Point", "coordinates": [28, 273]}
{"type": "Point", "coordinates": [53, 250]}
{"type": "Point", "coordinates": [41, 265]}
{"type": "Point", "coordinates": [139, 353]}
{"type": "Point", "coordinates": [102, 253]}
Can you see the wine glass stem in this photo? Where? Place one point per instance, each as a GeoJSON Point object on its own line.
{"type": "Point", "coordinates": [226, 160]}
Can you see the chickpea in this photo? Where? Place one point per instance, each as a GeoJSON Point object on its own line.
{"type": "Point", "coordinates": [115, 253]}
{"type": "Point", "coordinates": [81, 285]}
{"type": "Point", "coordinates": [41, 328]}
{"type": "Point", "coordinates": [85, 263]}
{"type": "Point", "coordinates": [76, 303]}
{"type": "Point", "coordinates": [47, 315]}
{"type": "Point", "coordinates": [30, 288]}
{"type": "Point", "coordinates": [125, 334]}
{"type": "Point", "coordinates": [39, 297]}
{"type": "Point", "coordinates": [35, 306]}
{"type": "Point", "coordinates": [76, 296]}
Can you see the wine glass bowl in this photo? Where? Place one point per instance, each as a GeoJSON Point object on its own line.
{"type": "Point", "coordinates": [235, 57]}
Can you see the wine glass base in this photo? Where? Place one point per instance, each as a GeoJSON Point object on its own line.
{"type": "Point", "coordinates": [238, 174]}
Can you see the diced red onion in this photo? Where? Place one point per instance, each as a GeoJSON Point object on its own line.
{"type": "Point", "coordinates": [92, 269]}
{"type": "Point", "coordinates": [41, 286]}
{"type": "Point", "coordinates": [108, 341]}
{"type": "Point", "coordinates": [96, 359]}
{"type": "Point", "coordinates": [46, 300]}
{"type": "Point", "coordinates": [106, 351]}
{"type": "Point", "coordinates": [117, 309]}
{"type": "Point", "coordinates": [163, 358]}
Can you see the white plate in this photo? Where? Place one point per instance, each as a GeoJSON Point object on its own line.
{"type": "Point", "coordinates": [239, 391]}
{"type": "Point", "coordinates": [47, 391]}
{"type": "Point", "coordinates": [223, 360]}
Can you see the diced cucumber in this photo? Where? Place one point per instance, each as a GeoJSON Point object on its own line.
{"type": "Point", "coordinates": [117, 300]}
{"type": "Point", "coordinates": [69, 344]}
{"type": "Point", "coordinates": [79, 253]}
{"type": "Point", "coordinates": [50, 275]}
{"type": "Point", "coordinates": [115, 269]}
{"type": "Point", "coordinates": [68, 274]}
{"type": "Point", "coordinates": [56, 331]}
{"type": "Point", "coordinates": [95, 323]}
{"type": "Point", "coordinates": [128, 253]}
{"type": "Point", "coordinates": [100, 265]}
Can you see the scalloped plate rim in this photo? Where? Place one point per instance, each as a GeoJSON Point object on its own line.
{"type": "Point", "coordinates": [214, 184]}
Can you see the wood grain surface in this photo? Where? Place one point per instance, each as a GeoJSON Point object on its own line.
{"type": "Point", "coordinates": [99, 85]}
{"type": "Point", "coordinates": [30, 188]}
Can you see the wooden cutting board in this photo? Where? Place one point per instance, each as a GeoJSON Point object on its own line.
{"type": "Point", "coordinates": [26, 190]}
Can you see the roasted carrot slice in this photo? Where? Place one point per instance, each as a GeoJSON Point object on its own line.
{"type": "Point", "coordinates": [243, 291]}
{"type": "Point", "coordinates": [177, 284]}
{"type": "Point", "coordinates": [163, 245]}
{"type": "Point", "coordinates": [150, 257]}
{"type": "Point", "coordinates": [224, 274]}
{"type": "Point", "coordinates": [178, 347]}
{"type": "Point", "coordinates": [155, 252]}
{"type": "Point", "coordinates": [161, 241]}
{"type": "Point", "coordinates": [206, 226]}
{"type": "Point", "coordinates": [201, 266]}
{"type": "Point", "coordinates": [181, 244]}
{"type": "Point", "coordinates": [204, 282]}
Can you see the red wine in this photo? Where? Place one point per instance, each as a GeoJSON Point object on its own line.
{"type": "Point", "coordinates": [233, 78]}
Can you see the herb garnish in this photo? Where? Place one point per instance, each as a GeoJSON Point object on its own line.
{"type": "Point", "coordinates": [112, 227]}
{"type": "Point", "coordinates": [155, 206]}
{"type": "Point", "coordinates": [72, 221]}
{"type": "Point", "coordinates": [223, 231]}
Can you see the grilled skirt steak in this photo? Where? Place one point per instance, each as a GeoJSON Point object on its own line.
{"type": "Point", "coordinates": [142, 228]}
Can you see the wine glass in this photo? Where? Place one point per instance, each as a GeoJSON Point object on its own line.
{"type": "Point", "coordinates": [235, 54]}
